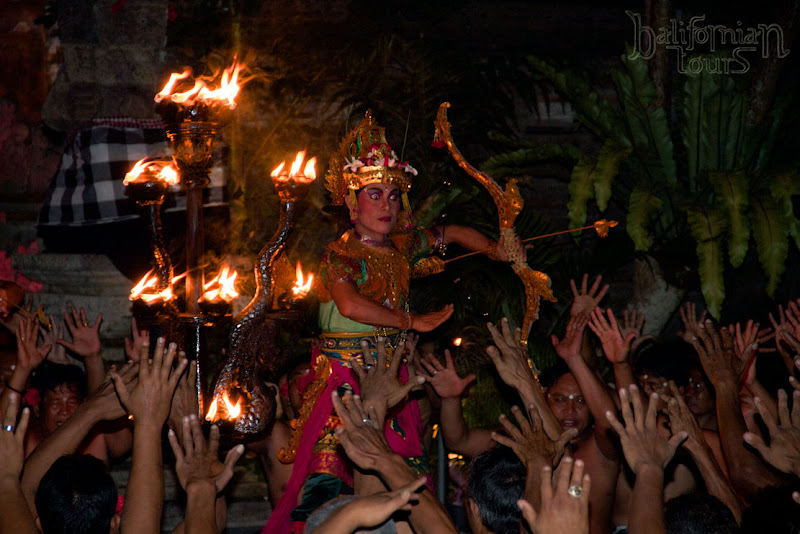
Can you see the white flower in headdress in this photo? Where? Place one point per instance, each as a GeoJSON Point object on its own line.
{"type": "Point", "coordinates": [408, 168]}
{"type": "Point", "coordinates": [354, 165]}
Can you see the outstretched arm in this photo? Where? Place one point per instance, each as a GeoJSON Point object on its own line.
{"type": "Point", "coordinates": [594, 391]}
{"type": "Point", "coordinates": [510, 359]}
{"type": "Point", "coordinates": [471, 239]}
{"type": "Point", "coordinates": [647, 455]}
{"type": "Point", "coordinates": [367, 448]}
{"type": "Point", "coordinates": [458, 437]}
{"type": "Point", "coordinates": [357, 307]}
{"type": "Point", "coordinates": [14, 513]}
{"type": "Point", "coordinates": [149, 403]}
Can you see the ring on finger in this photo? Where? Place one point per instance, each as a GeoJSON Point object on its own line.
{"type": "Point", "coordinates": [8, 428]}
{"type": "Point", "coordinates": [575, 491]}
{"type": "Point", "coordinates": [434, 372]}
{"type": "Point", "coordinates": [366, 420]}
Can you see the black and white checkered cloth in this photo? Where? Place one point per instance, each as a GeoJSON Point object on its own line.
{"type": "Point", "coordinates": [87, 188]}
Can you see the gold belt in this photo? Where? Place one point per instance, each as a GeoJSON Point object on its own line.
{"type": "Point", "coordinates": [346, 345]}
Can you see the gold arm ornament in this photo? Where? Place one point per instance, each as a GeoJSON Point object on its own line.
{"type": "Point", "coordinates": [509, 203]}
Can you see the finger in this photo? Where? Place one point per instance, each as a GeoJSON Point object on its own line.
{"type": "Point", "coordinates": [186, 433]}
{"type": "Point", "coordinates": [504, 440]}
{"type": "Point", "coordinates": [766, 416]}
{"type": "Point", "coordinates": [175, 377]}
{"type": "Point", "coordinates": [512, 430]}
{"type": "Point", "coordinates": [438, 365]}
{"type": "Point", "coordinates": [627, 411]}
{"type": "Point", "coordinates": [397, 358]}
{"type": "Point", "coordinates": [381, 353]}
{"type": "Point", "coordinates": [652, 413]}
{"type": "Point", "coordinates": [675, 442]}
{"type": "Point", "coordinates": [602, 293]}
{"type": "Point", "coordinates": [584, 283]}
{"type": "Point", "coordinates": [546, 484]}
{"type": "Point", "coordinates": [565, 438]}
{"type": "Point", "coordinates": [573, 287]}
{"type": "Point", "coordinates": [534, 418]}
{"type": "Point", "coordinates": [197, 435]}
{"type": "Point", "coordinates": [428, 367]}
{"type": "Point", "coordinates": [213, 438]}
{"type": "Point", "coordinates": [176, 448]}
{"type": "Point", "coordinates": [366, 353]}
{"type": "Point", "coordinates": [341, 411]}
{"type": "Point", "coordinates": [528, 513]}
{"type": "Point", "coordinates": [638, 407]}
{"type": "Point", "coordinates": [577, 473]}
{"type": "Point", "coordinates": [448, 359]}
{"type": "Point", "coordinates": [98, 321]}
{"type": "Point", "coordinates": [595, 285]}
{"type": "Point", "coordinates": [411, 384]}
{"type": "Point", "coordinates": [10, 417]}
{"type": "Point", "coordinates": [564, 474]}
{"type": "Point", "coordinates": [22, 426]}
{"type": "Point", "coordinates": [796, 409]}
{"type": "Point", "coordinates": [120, 388]}
{"type": "Point", "coordinates": [230, 460]}
{"type": "Point", "coordinates": [360, 372]}
{"type": "Point", "coordinates": [783, 409]}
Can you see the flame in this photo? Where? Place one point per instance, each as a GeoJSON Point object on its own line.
{"type": "Point", "coordinates": [167, 172]}
{"type": "Point", "coordinates": [309, 172]}
{"type": "Point", "coordinates": [298, 161]}
{"type": "Point", "coordinates": [212, 411]}
{"type": "Point", "coordinates": [278, 169]}
{"type": "Point", "coordinates": [225, 94]}
{"type": "Point", "coordinates": [148, 281]}
{"type": "Point", "coordinates": [457, 341]}
{"type": "Point", "coordinates": [233, 410]}
{"type": "Point", "coordinates": [302, 285]}
{"type": "Point", "coordinates": [174, 78]}
{"type": "Point", "coordinates": [221, 286]}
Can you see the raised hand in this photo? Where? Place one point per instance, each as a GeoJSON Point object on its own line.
{"type": "Point", "coordinates": [616, 345]}
{"type": "Point", "coordinates": [633, 322]}
{"type": "Point", "coordinates": [428, 321]}
{"type": "Point", "coordinates": [508, 355]}
{"type": "Point", "coordinates": [570, 346]}
{"type": "Point", "coordinates": [783, 451]}
{"type": "Point", "coordinates": [149, 401]}
{"type": "Point", "coordinates": [585, 301]}
{"type": "Point", "coordinates": [379, 383]}
{"type": "Point", "coordinates": [105, 398]}
{"type": "Point", "coordinates": [564, 501]}
{"type": "Point", "coordinates": [639, 437]}
{"type": "Point", "coordinates": [184, 402]}
{"type": "Point", "coordinates": [681, 418]}
{"type": "Point", "coordinates": [361, 432]}
{"type": "Point", "coordinates": [717, 353]}
{"type": "Point", "coordinates": [85, 336]}
{"type": "Point", "coordinates": [197, 461]}
{"type": "Point", "coordinates": [444, 378]}
{"type": "Point", "coordinates": [30, 355]}
{"type": "Point", "coordinates": [134, 343]}
{"type": "Point", "coordinates": [691, 323]}
{"type": "Point", "coordinates": [58, 353]}
{"type": "Point", "coordinates": [12, 440]}
{"type": "Point", "coordinates": [530, 442]}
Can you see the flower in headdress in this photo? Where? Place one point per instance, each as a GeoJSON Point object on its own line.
{"type": "Point", "coordinates": [602, 226]}
{"type": "Point", "coordinates": [354, 165]}
{"type": "Point", "coordinates": [408, 168]}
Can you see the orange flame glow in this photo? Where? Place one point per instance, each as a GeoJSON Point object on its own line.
{"type": "Point", "coordinates": [148, 281]}
{"type": "Point", "coordinates": [309, 172]}
{"type": "Point", "coordinates": [167, 172]}
{"type": "Point", "coordinates": [457, 341]}
{"type": "Point", "coordinates": [232, 410]}
{"type": "Point", "coordinates": [222, 286]}
{"type": "Point", "coordinates": [302, 285]}
{"type": "Point", "coordinates": [225, 94]}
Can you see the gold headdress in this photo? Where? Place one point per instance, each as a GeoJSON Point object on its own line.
{"type": "Point", "coordinates": [364, 158]}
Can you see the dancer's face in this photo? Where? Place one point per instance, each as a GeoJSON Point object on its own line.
{"type": "Point", "coordinates": [378, 210]}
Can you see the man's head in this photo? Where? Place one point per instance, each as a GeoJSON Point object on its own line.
{"type": "Point", "coordinates": [11, 297]}
{"type": "Point", "coordinates": [496, 482]}
{"type": "Point", "coordinates": [62, 389]}
{"type": "Point", "coordinates": [77, 495]}
{"type": "Point", "coordinates": [660, 363]}
{"type": "Point", "coordinates": [566, 399]}
{"type": "Point", "coordinates": [699, 514]}
{"type": "Point", "coordinates": [773, 510]}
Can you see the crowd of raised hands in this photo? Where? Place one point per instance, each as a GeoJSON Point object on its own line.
{"type": "Point", "coordinates": [651, 457]}
{"type": "Point", "coordinates": [54, 487]}
{"type": "Point", "coordinates": [609, 438]}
